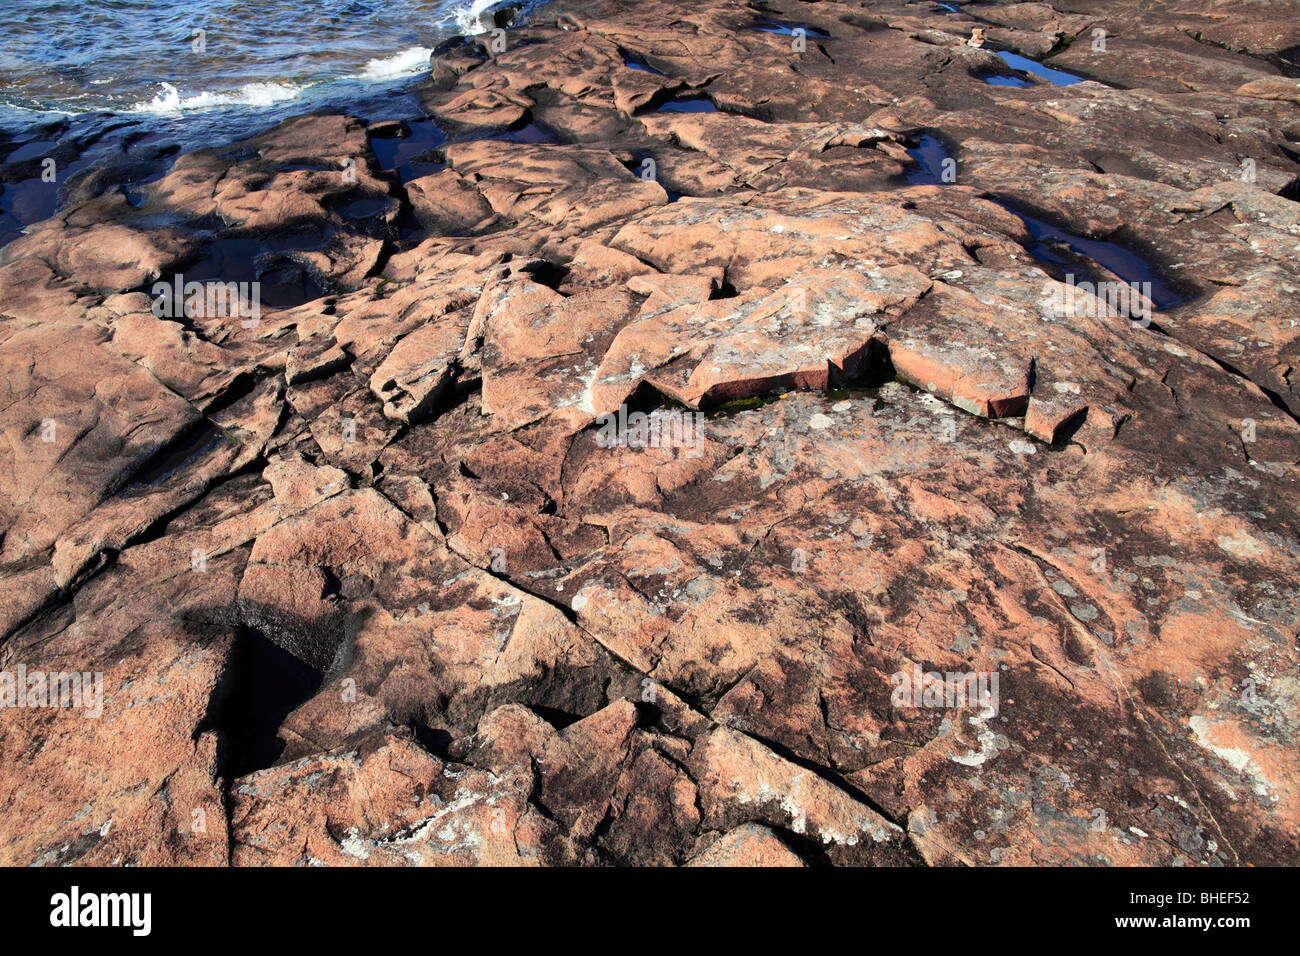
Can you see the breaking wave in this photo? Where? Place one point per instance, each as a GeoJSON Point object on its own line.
{"type": "Point", "coordinates": [407, 63]}
{"type": "Point", "coordinates": [170, 100]}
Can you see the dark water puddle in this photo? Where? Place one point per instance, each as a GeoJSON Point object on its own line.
{"type": "Point", "coordinates": [929, 156]}
{"type": "Point", "coordinates": [420, 167]}
{"type": "Point", "coordinates": [1048, 240]}
{"type": "Point", "coordinates": [525, 132]}
{"type": "Point", "coordinates": [369, 215]}
{"type": "Point", "coordinates": [634, 62]}
{"type": "Point", "coordinates": [1026, 65]}
{"type": "Point", "coordinates": [414, 148]}
{"type": "Point", "coordinates": [283, 282]}
{"type": "Point", "coordinates": [787, 28]}
{"type": "Point", "coordinates": [26, 197]}
{"type": "Point", "coordinates": [417, 150]}
{"type": "Point", "coordinates": [689, 104]}
{"type": "Point", "coordinates": [863, 378]}
{"type": "Point", "coordinates": [22, 204]}
{"type": "Point", "coordinates": [300, 167]}
{"type": "Point", "coordinates": [528, 133]}
{"type": "Point", "coordinates": [91, 154]}
{"type": "Point", "coordinates": [410, 231]}
{"type": "Point", "coordinates": [959, 7]}
{"type": "Point", "coordinates": [634, 166]}
{"type": "Point", "coordinates": [1128, 265]}
{"type": "Point", "coordinates": [1013, 81]}
{"type": "Point", "coordinates": [412, 153]}
{"type": "Point", "coordinates": [367, 208]}
{"type": "Point", "coordinates": [36, 149]}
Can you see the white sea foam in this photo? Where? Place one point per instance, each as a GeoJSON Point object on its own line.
{"type": "Point", "coordinates": [250, 94]}
{"type": "Point", "coordinates": [470, 19]}
{"type": "Point", "coordinates": [407, 63]}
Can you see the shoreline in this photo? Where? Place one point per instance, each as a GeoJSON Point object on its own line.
{"type": "Point", "coordinates": [134, 144]}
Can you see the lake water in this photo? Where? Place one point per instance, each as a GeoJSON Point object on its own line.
{"type": "Point", "coordinates": [124, 85]}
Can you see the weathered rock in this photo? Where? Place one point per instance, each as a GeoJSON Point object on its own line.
{"type": "Point", "coordinates": [749, 845]}
{"type": "Point", "coordinates": [754, 486]}
{"type": "Point", "coordinates": [385, 803]}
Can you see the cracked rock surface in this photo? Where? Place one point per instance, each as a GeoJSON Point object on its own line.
{"type": "Point", "coordinates": [366, 585]}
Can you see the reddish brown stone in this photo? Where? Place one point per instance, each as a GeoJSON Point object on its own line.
{"type": "Point", "coordinates": [367, 581]}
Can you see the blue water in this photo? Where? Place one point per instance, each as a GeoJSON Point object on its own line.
{"type": "Point", "coordinates": [689, 104]}
{"type": "Point", "coordinates": [1046, 238]}
{"type": "Point", "coordinates": [528, 133]}
{"type": "Point", "coordinates": [1124, 263]}
{"type": "Point", "coordinates": [155, 56]}
{"type": "Point", "coordinates": [120, 87]}
{"type": "Point", "coordinates": [1015, 81]}
{"type": "Point", "coordinates": [787, 28]}
{"type": "Point", "coordinates": [409, 154]}
{"type": "Point", "coordinates": [634, 62]}
{"type": "Point", "coordinates": [929, 157]}
{"type": "Point", "coordinates": [1023, 63]}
